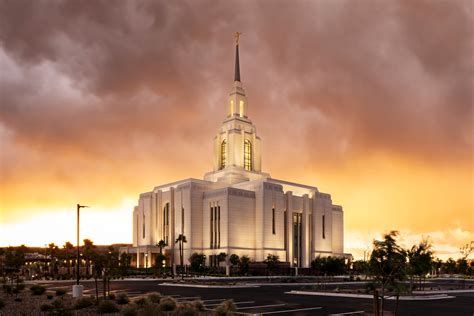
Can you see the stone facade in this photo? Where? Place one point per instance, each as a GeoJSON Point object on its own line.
{"type": "Point", "coordinates": [237, 208]}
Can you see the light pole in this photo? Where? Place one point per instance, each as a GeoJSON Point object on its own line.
{"type": "Point", "coordinates": [77, 289]}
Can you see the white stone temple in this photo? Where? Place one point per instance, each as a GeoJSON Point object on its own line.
{"type": "Point", "coordinates": [237, 208]}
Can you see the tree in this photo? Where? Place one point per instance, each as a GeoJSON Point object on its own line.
{"type": "Point", "coordinates": [387, 264]}
{"type": "Point", "coordinates": [160, 257]}
{"type": "Point", "coordinates": [244, 265]}
{"type": "Point", "coordinates": [88, 252]}
{"type": "Point", "coordinates": [68, 248]}
{"type": "Point", "coordinates": [234, 259]}
{"type": "Point", "coordinates": [124, 263]}
{"type": "Point", "coordinates": [420, 259]}
{"type": "Point", "coordinates": [161, 244]}
{"type": "Point", "coordinates": [180, 241]}
{"type": "Point", "coordinates": [272, 263]}
{"type": "Point", "coordinates": [53, 251]}
{"type": "Point", "coordinates": [197, 261]}
{"type": "Point", "coordinates": [329, 265]}
{"type": "Point", "coordinates": [221, 258]}
{"type": "Point", "coordinates": [450, 266]}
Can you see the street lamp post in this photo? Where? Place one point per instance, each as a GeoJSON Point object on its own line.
{"type": "Point", "coordinates": [77, 289]}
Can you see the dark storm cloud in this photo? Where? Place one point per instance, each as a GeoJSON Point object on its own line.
{"type": "Point", "coordinates": [129, 76]}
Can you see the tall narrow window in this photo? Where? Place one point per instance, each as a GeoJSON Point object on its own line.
{"type": "Point", "coordinates": [273, 221]}
{"type": "Point", "coordinates": [241, 110]}
{"type": "Point", "coordinates": [231, 107]}
{"type": "Point", "coordinates": [223, 154]}
{"type": "Point", "coordinates": [324, 226]}
{"type": "Point", "coordinates": [212, 228]}
{"type": "Point", "coordinates": [143, 219]}
{"type": "Point", "coordinates": [166, 222]}
{"type": "Point", "coordinates": [247, 155]}
{"type": "Point", "coordinates": [218, 227]}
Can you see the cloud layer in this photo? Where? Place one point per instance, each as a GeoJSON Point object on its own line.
{"type": "Point", "coordinates": [103, 100]}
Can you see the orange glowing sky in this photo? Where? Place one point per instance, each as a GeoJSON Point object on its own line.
{"type": "Point", "coordinates": [371, 102]}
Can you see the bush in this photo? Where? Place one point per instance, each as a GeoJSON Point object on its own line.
{"type": "Point", "coordinates": [84, 302]}
{"type": "Point", "coordinates": [107, 307]}
{"type": "Point", "coordinates": [18, 299]}
{"type": "Point", "coordinates": [7, 288]}
{"type": "Point", "coordinates": [186, 309]}
{"type": "Point", "coordinates": [154, 297]}
{"type": "Point", "coordinates": [37, 289]}
{"type": "Point", "coordinates": [2, 303]}
{"type": "Point", "coordinates": [226, 308]}
{"type": "Point", "coordinates": [111, 296]}
{"type": "Point", "coordinates": [49, 296]}
{"type": "Point", "coordinates": [167, 304]}
{"type": "Point", "coordinates": [150, 310]}
{"type": "Point", "coordinates": [58, 304]}
{"type": "Point", "coordinates": [60, 292]}
{"type": "Point", "coordinates": [199, 305]}
{"type": "Point", "coordinates": [130, 310]}
{"type": "Point", "coordinates": [142, 301]}
{"type": "Point", "coordinates": [46, 307]}
{"type": "Point", "coordinates": [122, 298]}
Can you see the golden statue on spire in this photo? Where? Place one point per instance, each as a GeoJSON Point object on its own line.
{"type": "Point", "coordinates": [237, 36]}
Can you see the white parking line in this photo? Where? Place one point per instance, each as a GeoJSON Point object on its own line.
{"type": "Point", "coordinates": [236, 303]}
{"type": "Point", "coordinates": [348, 313]}
{"type": "Point", "coordinates": [292, 310]}
{"type": "Point", "coordinates": [188, 298]}
{"type": "Point", "coordinates": [215, 300]}
{"type": "Point", "coordinates": [261, 306]}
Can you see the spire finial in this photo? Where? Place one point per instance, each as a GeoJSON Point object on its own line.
{"type": "Point", "coordinates": [237, 36]}
{"type": "Point", "coordinates": [237, 64]}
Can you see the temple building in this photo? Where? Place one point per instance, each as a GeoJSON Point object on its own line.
{"type": "Point", "coordinates": [237, 208]}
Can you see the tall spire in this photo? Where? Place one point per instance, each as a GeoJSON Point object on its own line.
{"type": "Point", "coordinates": [237, 64]}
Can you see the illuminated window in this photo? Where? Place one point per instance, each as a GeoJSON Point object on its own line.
{"type": "Point", "coordinates": [231, 107]}
{"type": "Point", "coordinates": [215, 227]}
{"type": "Point", "coordinates": [143, 225]}
{"type": "Point", "coordinates": [223, 154]}
{"type": "Point", "coordinates": [247, 155]}
{"type": "Point", "coordinates": [241, 104]}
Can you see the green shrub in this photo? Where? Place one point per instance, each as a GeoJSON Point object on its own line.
{"type": "Point", "coordinates": [7, 288]}
{"type": "Point", "coordinates": [154, 297]}
{"type": "Point", "coordinates": [60, 292]}
{"type": "Point", "coordinates": [130, 310]}
{"type": "Point", "coordinates": [167, 304]}
{"type": "Point", "coordinates": [151, 310]}
{"type": "Point", "coordinates": [122, 298]}
{"type": "Point", "coordinates": [142, 301]}
{"type": "Point", "coordinates": [199, 305]}
{"type": "Point", "coordinates": [225, 308]}
{"type": "Point", "coordinates": [58, 303]}
{"type": "Point", "coordinates": [46, 307]}
{"type": "Point", "coordinates": [49, 296]}
{"type": "Point", "coordinates": [17, 299]}
{"type": "Point", "coordinates": [84, 302]}
{"type": "Point", "coordinates": [2, 303]}
{"type": "Point", "coordinates": [187, 309]}
{"type": "Point", "coordinates": [37, 289]}
{"type": "Point", "coordinates": [111, 296]}
{"type": "Point", "coordinates": [107, 307]}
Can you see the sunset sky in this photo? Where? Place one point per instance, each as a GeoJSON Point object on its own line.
{"type": "Point", "coordinates": [371, 101]}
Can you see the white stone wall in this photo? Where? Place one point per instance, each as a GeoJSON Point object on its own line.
{"type": "Point", "coordinates": [337, 230]}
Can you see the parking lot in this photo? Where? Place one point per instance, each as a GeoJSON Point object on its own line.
{"type": "Point", "coordinates": [275, 299]}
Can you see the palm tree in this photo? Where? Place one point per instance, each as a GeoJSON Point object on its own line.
{"type": "Point", "coordinates": [180, 241]}
{"type": "Point", "coordinates": [52, 252]}
{"type": "Point", "coordinates": [88, 252]}
{"type": "Point", "coordinates": [160, 257]}
{"type": "Point", "coordinates": [67, 247]}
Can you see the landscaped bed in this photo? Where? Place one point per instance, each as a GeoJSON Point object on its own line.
{"type": "Point", "coordinates": [38, 301]}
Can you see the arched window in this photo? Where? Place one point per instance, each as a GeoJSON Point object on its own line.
{"type": "Point", "coordinates": [223, 154]}
{"type": "Point", "coordinates": [247, 155]}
